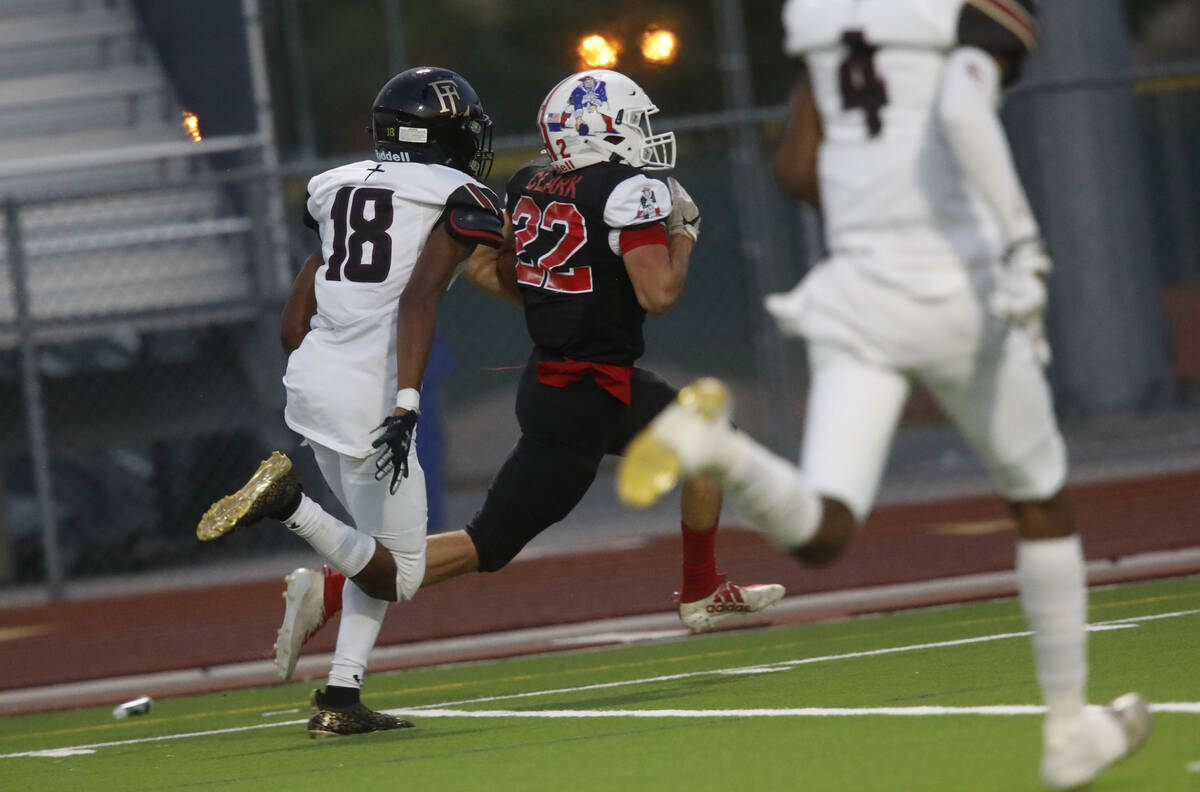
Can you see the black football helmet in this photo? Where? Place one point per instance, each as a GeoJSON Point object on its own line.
{"type": "Point", "coordinates": [432, 115]}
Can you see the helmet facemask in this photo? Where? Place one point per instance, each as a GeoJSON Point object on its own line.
{"type": "Point", "coordinates": [656, 152]}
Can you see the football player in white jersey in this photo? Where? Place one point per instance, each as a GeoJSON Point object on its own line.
{"type": "Point", "coordinates": [936, 274]}
{"type": "Point", "coordinates": [392, 231]}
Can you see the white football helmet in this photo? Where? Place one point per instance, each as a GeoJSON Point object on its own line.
{"type": "Point", "coordinates": [602, 116]}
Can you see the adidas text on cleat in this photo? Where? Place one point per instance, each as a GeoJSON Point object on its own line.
{"type": "Point", "coordinates": [271, 488]}
{"type": "Point", "coordinates": [1077, 752]}
{"type": "Point", "coordinates": [304, 613]}
{"type": "Point", "coordinates": [677, 443]}
{"type": "Point", "coordinates": [729, 599]}
{"type": "Point", "coordinates": [327, 721]}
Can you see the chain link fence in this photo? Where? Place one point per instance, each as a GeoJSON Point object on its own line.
{"type": "Point", "coordinates": [139, 362]}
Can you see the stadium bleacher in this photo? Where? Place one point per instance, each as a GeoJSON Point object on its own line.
{"type": "Point", "coordinates": [96, 165]}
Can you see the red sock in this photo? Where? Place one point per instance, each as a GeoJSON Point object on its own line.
{"type": "Point", "coordinates": [333, 591]}
{"type": "Point", "coordinates": [700, 576]}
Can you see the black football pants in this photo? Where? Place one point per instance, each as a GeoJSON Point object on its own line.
{"type": "Point", "coordinates": [565, 432]}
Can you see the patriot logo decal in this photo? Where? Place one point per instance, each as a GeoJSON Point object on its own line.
{"type": "Point", "coordinates": [648, 208]}
{"type": "Point", "coordinates": [587, 110]}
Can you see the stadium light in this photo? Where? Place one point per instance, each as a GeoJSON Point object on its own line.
{"type": "Point", "coordinates": [659, 45]}
{"type": "Point", "coordinates": [191, 125]}
{"type": "Point", "coordinates": [597, 52]}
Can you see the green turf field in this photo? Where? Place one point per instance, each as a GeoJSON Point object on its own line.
{"type": "Point", "coordinates": [938, 699]}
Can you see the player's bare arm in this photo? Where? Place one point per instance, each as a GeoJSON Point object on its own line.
{"type": "Point", "coordinates": [796, 159]}
{"type": "Point", "coordinates": [419, 302]}
{"type": "Point", "coordinates": [494, 269]}
{"type": "Point", "coordinates": [300, 306]}
{"type": "Point", "coordinates": [659, 271]}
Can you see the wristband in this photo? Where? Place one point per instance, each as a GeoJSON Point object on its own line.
{"type": "Point", "coordinates": [408, 399]}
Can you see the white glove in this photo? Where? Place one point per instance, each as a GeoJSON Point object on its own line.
{"type": "Point", "coordinates": [685, 215]}
{"type": "Point", "coordinates": [1020, 294]}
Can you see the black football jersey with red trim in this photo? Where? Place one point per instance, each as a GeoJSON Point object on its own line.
{"type": "Point", "coordinates": [579, 301]}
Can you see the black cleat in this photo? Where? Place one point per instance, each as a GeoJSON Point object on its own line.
{"type": "Point", "coordinates": [269, 493]}
{"type": "Point", "coordinates": [356, 718]}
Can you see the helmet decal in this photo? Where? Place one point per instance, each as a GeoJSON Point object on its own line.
{"type": "Point", "coordinates": [447, 96]}
{"type": "Point", "coordinates": [587, 110]}
{"type": "Point", "coordinates": [648, 208]}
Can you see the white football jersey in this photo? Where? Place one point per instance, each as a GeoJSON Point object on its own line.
{"type": "Point", "coordinates": [891, 190]}
{"type": "Point", "coordinates": [374, 219]}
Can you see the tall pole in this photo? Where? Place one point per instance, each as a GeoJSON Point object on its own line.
{"type": "Point", "coordinates": [298, 69]}
{"type": "Point", "coordinates": [394, 21]}
{"type": "Point", "coordinates": [1081, 149]}
{"type": "Point", "coordinates": [35, 414]}
{"type": "Point", "coordinates": [277, 269]}
{"type": "Point", "coordinates": [758, 243]}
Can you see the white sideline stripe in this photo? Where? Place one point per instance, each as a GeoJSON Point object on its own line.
{"type": "Point", "coordinates": [783, 665]}
{"type": "Point", "coordinates": [441, 710]}
{"type": "Point", "coordinates": [1184, 707]}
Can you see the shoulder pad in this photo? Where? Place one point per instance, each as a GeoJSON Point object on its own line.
{"type": "Point", "coordinates": [1001, 27]}
{"type": "Point", "coordinates": [636, 201]}
{"type": "Point", "coordinates": [473, 215]}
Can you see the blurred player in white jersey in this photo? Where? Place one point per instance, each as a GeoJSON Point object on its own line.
{"type": "Point", "coordinates": [392, 230]}
{"type": "Point", "coordinates": [936, 274]}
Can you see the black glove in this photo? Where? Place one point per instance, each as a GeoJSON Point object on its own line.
{"type": "Point", "coordinates": [396, 438]}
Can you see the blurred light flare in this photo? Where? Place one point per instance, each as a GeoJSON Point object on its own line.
{"type": "Point", "coordinates": [597, 52]}
{"type": "Point", "coordinates": [191, 125]}
{"type": "Point", "coordinates": [659, 45]}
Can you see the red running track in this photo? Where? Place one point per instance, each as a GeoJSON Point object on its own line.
{"type": "Point", "coordinates": [202, 627]}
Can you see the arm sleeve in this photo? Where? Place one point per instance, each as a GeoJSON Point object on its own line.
{"type": "Point", "coordinates": [473, 216]}
{"type": "Point", "coordinates": [967, 113]}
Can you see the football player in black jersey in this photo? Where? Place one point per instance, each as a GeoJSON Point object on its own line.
{"type": "Point", "coordinates": [596, 243]}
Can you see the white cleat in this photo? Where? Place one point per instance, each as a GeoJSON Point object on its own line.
{"type": "Point", "coordinates": [728, 599]}
{"type": "Point", "coordinates": [689, 436]}
{"type": "Point", "coordinates": [303, 615]}
{"type": "Point", "coordinates": [1076, 753]}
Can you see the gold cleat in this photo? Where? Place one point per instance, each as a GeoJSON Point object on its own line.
{"type": "Point", "coordinates": [270, 489]}
{"type": "Point", "coordinates": [650, 466]}
{"type": "Point", "coordinates": [357, 718]}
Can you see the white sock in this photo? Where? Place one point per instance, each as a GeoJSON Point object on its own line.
{"type": "Point", "coordinates": [346, 549]}
{"type": "Point", "coordinates": [362, 616]}
{"type": "Point", "coordinates": [1053, 588]}
{"type": "Point", "coordinates": [773, 493]}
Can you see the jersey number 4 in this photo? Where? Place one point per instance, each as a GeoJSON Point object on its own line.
{"type": "Point", "coordinates": [353, 230]}
{"type": "Point", "coordinates": [550, 271]}
{"type": "Point", "coordinates": [861, 86]}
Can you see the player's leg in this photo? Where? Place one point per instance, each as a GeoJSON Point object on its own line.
{"type": "Point", "coordinates": [397, 525]}
{"type": "Point", "coordinates": [706, 596]}
{"type": "Point", "coordinates": [1004, 408]}
{"type": "Point", "coordinates": [810, 511]}
{"type": "Point", "coordinates": [564, 434]}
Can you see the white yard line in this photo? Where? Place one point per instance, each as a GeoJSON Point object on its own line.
{"type": "Point", "coordinates": [443, 710]}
